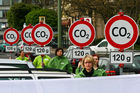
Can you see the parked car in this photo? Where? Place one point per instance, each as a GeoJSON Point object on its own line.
{"type": "Point", "coordinates": [11, 69]}
{"type": "Point", "coordinates": [34, 75]}
{"type": "Point", "coordinates": [103, 47]}
{"type": "Point", "coordinates": [113, 69]}
{"type": "Point", "coordinates": [74, 61]}
{"type": "Point", "coordinates": [13, 63]}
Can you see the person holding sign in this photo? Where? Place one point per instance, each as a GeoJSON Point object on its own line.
{"type": "Point", "coordinates": [88, 68]}
{"type": "Point", "coordinates": [22, 56]}
{"type": "Point", "coordinates": [96, 65]}
{"type": "Point", "coordinates": [60, 61]}
{"type": "Point", "coordinates": [41, 61]}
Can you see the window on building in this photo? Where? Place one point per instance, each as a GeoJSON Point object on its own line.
{"type": "Point", "coordinates": [1, 15]}
{"type": "Point", "coordinates": [5, 2]}
{"type": "Point", "coordinates": [0, 2]}
{"type": "Point", "coordinates": [4, 13]}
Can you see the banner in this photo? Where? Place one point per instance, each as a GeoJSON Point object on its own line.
{"type": "Point", "coordinates": [108, 84]}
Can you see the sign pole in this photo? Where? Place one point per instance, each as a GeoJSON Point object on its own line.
{"type": "Point", "coordinates": [10, 53]}
{"type": "Point", "coordinates": [121, 68]}
{"type": "Point", "coordinates": [121, 65]}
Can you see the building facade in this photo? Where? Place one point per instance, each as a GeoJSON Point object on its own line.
{"type": "Point", "coordinates": [4, 7]}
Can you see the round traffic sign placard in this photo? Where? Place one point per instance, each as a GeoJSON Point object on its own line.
{"type": "Point", "coordinates": [26, 35]}
{"type": "Point", "coordinates": [42, 34]}
{"type": "Point", "coordinates": [81, 33]}
{"type": "Point", "coordinates": [121, 31]}
{"type": "Point", "coordinates": [11, 36]}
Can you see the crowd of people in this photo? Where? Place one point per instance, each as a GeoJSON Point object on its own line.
{"type": "Point", "coordinates": [87, 67]}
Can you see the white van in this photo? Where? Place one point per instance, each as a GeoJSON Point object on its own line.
{"type": "Point", "coordinates": [11, 69]}
{"type": "Point", "coordinates": [103, 47]}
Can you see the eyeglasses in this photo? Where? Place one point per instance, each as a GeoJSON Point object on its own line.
{"type": "Point", "coordinates": [87, 62]}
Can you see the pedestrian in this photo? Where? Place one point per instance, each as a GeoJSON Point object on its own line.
{"type": "Point", "coordinates": [60, 62]}
{"type": "Point", "coordinates": [41, 61]}
{"type": "Point", "coordinates": [22, 56]}
{"type": "Point", "coordinates": [96, 59]}
{"type": "Point", "coordinates": [96, 64]}
{"type": "Point", "coordinates": [88, 68]}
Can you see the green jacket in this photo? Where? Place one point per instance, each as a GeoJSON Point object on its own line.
{"type": "Point", "coordinates": [38, 61]}
{"type": "Point", "coordinates": [98, 72]}
{"type": "Point", "coordinates": [61, 63]}
{"type": "Point", "coordinates": [78, 69]}
{"type": "Point", "coordinates": [23, 59]}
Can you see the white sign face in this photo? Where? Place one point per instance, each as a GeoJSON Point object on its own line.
{"type": "Point", "coordinates": [27, 35]}
{"type": "Point", "coordinates": [121, 32]}
{"type": "Point", "coordinates": [121, 57]}
{"type": "Point", "coordinates": [81, 33]}
{"type": "Point", "coordinates": [88, 20]}
{"type": "Point", "coordinates": [29, 49]}
{"type": "Point", "coordinates": [11, 36]}
{"type": "Point", "coordinates": [42, 50]}
{"type": "Point", "coordinates": [11, 48]}
{"type": "Point", "coordinates": [42, 34]}
{"type": "Point", "coordinates": [80, 53]}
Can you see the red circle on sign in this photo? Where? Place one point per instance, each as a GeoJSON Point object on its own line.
{"type": "Point", "coordinates": [46, 26]}
{"type": "Point", "coordinates": [5, 33]}
{"type": "Point", "coordinates": [135, 31]}
{"type": "Point", "coordinates": [22, 35]}
{"type": "Point", "coordinates": [72, 29]}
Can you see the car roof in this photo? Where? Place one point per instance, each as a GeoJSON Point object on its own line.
{"type": "Point", "coordinates": [9, 63]}
{"type": "Point", "coordinates": [71, 47]}
{"type": "Point", "coordinates": [136, 53]}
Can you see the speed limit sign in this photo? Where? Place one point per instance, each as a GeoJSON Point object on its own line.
{"type": "Point", "coordinates": [81, 33]}
{"type": "Point", "coordinates": [26, 35]}
{"type": "Point", "coordinates": [11, 36]}
{"type": "Point", "coordinates": [121, 31]}
{"type": "Point", "coordinates": [42, 34]}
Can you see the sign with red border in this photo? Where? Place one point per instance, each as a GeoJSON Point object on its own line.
{"type": "Point", "coordinates": [81, 33]}
{"type": "Point", "coordinates": [26, 35]}
{"type": "Point", "coordinates": [42, 34]}
{"type": "Point", "coordinates": [121, 31]}
{"type": "Point", "coordinates": [11, 36]}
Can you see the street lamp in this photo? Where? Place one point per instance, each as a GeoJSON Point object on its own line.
{"type": "Point", "coordinates": [59, 24]}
